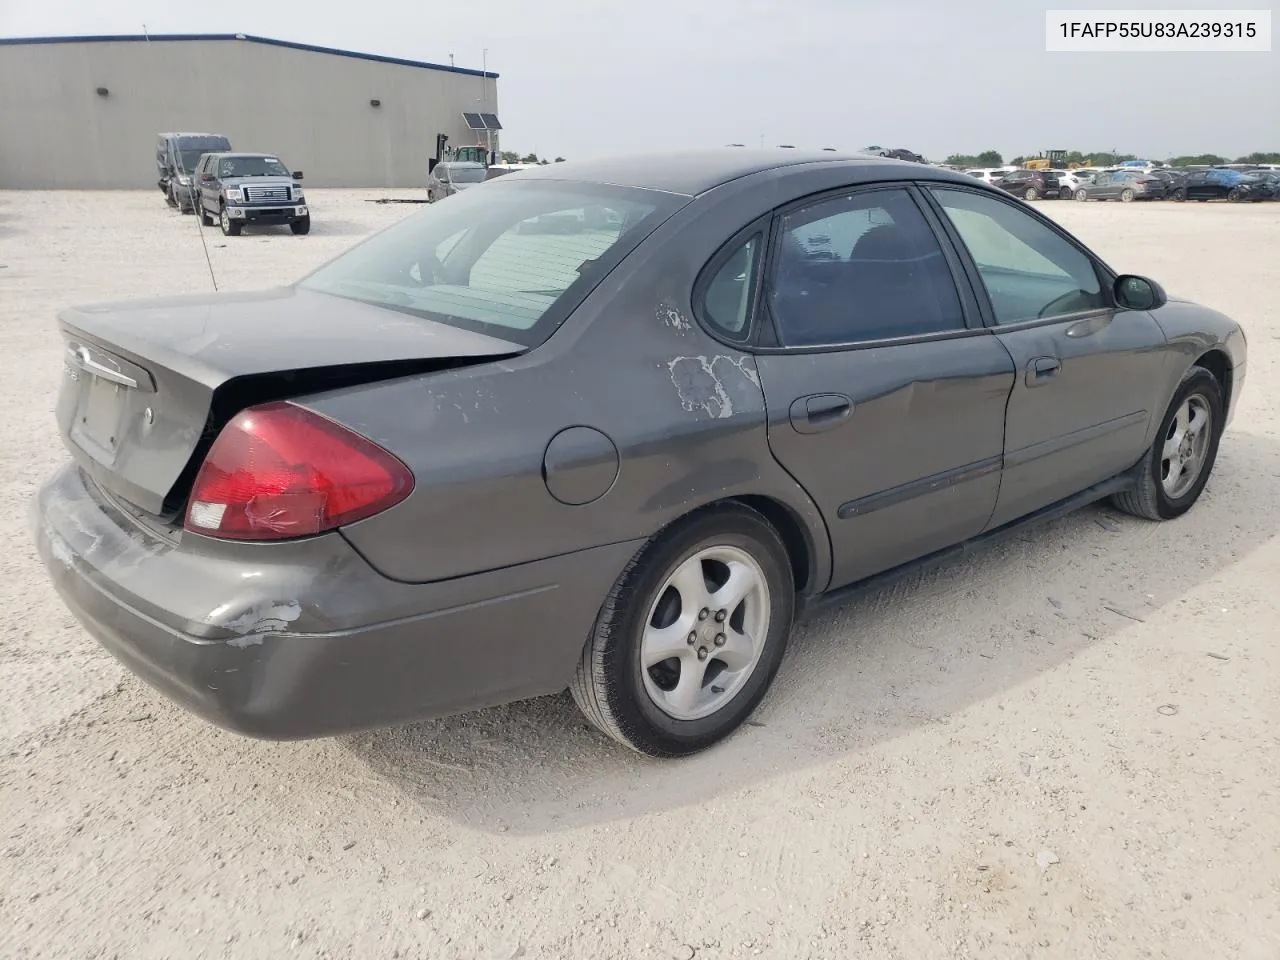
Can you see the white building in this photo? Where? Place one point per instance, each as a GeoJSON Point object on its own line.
{"type": "Point", "coordinates": [84, 112]}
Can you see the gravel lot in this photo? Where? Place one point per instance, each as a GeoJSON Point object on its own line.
{"type": "Point", "coordinates": [1063, 747]}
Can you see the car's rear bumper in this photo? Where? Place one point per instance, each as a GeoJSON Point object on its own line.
{"type": "Point", "coordinates": [305, 639]}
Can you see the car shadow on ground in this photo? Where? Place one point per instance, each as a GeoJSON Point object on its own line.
{"type": "Point", "coordinates": [859, 673]}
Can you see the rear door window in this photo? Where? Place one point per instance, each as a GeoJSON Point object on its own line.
{"type": "Point", "coordinates": [859, 268]}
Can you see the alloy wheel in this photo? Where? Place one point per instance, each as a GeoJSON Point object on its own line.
{"type": "Point", "coordinates": [1185, 446]}
{"type": "Point", "coordinates": [705, 632]}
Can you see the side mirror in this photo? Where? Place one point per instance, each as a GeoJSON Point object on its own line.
{"type": "Point", "coordinates": [1138, 293]}
{"type": "Point", "coordinates": [297, 174]}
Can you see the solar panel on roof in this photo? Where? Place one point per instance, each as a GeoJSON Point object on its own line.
{"type": "Point", "coordinates": [474, 121]}
{"type": "Point", "coordinates": [491, 121]}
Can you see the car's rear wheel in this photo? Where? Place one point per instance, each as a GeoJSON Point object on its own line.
{"type": "Point", "coordinates": [1176, 469]}
{"type": "Point", "coordinates": [691, 635]}
{"type": "Point", "coordinates": [230, 228]}
{"type": "Point", "coordinates": [301, 226]}
{"type": "Point", "coordinates": [1081, 196]}
{"type": "Point", "coordinates": [1127, 195]}
{"type": "Point", "coordinates": [1032, 193]}
{"type": "Point", "coordinates": [1179, 195]}
{"type": "Point", "coordinates": [1064, 193]}
{"type": "Point", "coordinates": [1235, 195]}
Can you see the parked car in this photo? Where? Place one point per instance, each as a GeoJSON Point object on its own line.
{"type": "Point", "coordinates": [990, 174]}
{"type": "Point", "coordinates": [1269, 181]}
{"type": "Point", "coordinates": [606, 425]}
{"type": "Point", "coordinates": [1171, 178]}
{"type": "Point", "coordinates": [176, 157]}
{"type": "Point", "coordinates": [453, 176]}
{"type": "Point", "coordinates": [1068, 182]}
{"type": "Point", "coordinates": [1220, 183]}
{"type": "Point", "coordinates": [897, 153]}
{"type": "Point", "coordinates": [1124, 185]}
{"type": "Point", "coordinates": [238, 189]}
{"type": "Point", "coordinates": [1030, 184]}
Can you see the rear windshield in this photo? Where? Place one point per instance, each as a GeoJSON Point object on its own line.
{"type": "Point", "coordinates": [511, 258]}
{"type": "Point", "coordinates": [464, 174]}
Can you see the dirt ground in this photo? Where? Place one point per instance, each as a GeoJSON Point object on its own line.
{"type": "Point", "coordinates": [1065, 747]}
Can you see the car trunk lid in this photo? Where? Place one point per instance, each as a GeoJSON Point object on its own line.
{"type": "Point", "coordinates": [147, 385]}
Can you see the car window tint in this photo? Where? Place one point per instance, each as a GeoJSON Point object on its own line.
{"type": "Point", "coordinates": [858, 268]}
{"type": "Point", "coordinates": [1029, 270]}
{"type": "Point", "coordinates": [726, 305]}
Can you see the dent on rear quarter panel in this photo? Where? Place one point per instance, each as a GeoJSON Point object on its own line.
{"type": "Point", "coordinates": [685, 412]}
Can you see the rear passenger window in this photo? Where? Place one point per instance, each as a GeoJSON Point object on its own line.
{"type": "Point", "coordinates": [859, 268]}
{"type": "Point", "coordinates": [726, 303]}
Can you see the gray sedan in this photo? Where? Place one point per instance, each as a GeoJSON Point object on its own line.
{"type": "Point", "coordinates": [1123, 185]}
{"type": "Point", "coordinates": [609, 426]}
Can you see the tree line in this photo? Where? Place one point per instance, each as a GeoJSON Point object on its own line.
{"type": "Point", "coordinates": [1104, 158]}
{"type": "Point", "coordinates": [511, 156]}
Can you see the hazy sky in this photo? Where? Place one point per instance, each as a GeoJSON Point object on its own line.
{"type": "Point", "coordinates": [587, 77]}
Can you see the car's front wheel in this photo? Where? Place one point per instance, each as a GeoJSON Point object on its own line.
{"type": "Point", "coordinates": [1064, 193]}
{"type": "Point", "coordinates": [691, 635]}
{"type": "Point", "coordinates": [1081, 196]}
{"type": "Point", "coordinates": [230, 228]}
{"type": "Point", "coordinates": [1175, 470]}
{"type": "Point", "coordinates": [1179, 195]}
{"type": "Point", "coordinates": [301, 226]}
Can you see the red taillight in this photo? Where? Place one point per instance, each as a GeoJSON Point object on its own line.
{"type": "Point", "coordinates": [279, 471]}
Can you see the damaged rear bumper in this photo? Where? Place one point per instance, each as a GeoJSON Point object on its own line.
{"type": "Point", "coordinates": [304, 638]}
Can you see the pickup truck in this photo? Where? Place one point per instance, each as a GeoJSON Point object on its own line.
{"type": "Point", "coordinates": [235, 189]}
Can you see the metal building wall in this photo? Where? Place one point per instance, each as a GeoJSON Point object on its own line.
{"type": "Point", "coordinates": [310, 108]}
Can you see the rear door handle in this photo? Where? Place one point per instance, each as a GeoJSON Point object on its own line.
{"type": "Point", "coordinates": [1041, 370]}
{"type": "Point", "coordinates": [820, 411]}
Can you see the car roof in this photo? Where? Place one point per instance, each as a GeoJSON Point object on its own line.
{"type": "Point", "coordinates": [238, 153]}
{"type": "Point", "coordinates": [692, 172]}
{"type": "Point", "coordinates": [207, 136]}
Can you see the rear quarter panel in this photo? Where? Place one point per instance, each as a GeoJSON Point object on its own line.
{"type": "Point", "coordinates": [685, 413]}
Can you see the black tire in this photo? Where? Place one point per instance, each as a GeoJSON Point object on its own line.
{"type": "Point", "coordinates": [230, 228]}
{"type": "Point", "coordinates": [1179, 195]}
{"type": "Point", "coordinates": [1064, 193]}
{"type": "Point", "coordinates": [1032, 194]}
{"type": "Point", "coordinates": [205, 219]}
{"type": "Point", "coordinates": [1149, 499]}
{"type": "Point", "coordinates": [610, 686]}
{"type": "Point", "coordinates": [1127, 195]}
{"type": "Point", "coordinates": [1082, 196]}
{"type": "Point", "coordinates": [301, 226]}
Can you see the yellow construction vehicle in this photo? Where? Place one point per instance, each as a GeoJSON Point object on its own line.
{"type": "Point", "coordinates": [1049, 160]}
